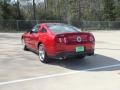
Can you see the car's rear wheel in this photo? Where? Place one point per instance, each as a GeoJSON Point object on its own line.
{"type": "Point", "coordinates": [92, 53]}
{"type": "Point", "coordinates": [42, 54]}
{"type": "Point", "coordinates": [81, 56]}
{"type": "Point", "coordinates": [23, 45]}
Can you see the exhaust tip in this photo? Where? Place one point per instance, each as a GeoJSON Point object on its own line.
{"type": "Point", "coordinates": [62, 58]}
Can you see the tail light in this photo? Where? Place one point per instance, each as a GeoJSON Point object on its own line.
{"type": "Point", "coordinates": [79, 38]}
{"type": "Point", "coordinates": [91, 38]}
{"type": "Point", "coordinates": [60, 39]}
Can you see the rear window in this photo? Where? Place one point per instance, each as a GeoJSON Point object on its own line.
{"type": "Point", "coordinates": [61, 28]}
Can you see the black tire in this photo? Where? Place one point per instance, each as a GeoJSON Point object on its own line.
{"type": "Point", "coordinates": [81, 56]}
{"type": "Point", "coordinates": [42, 54]}
{"type": "Point", "coordinates": [90, 54]}
{"type": "Point", "coordinates": [24, 46]}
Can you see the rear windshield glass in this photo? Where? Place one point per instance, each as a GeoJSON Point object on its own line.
{"type": "Point", "coordinates": [61, 28]}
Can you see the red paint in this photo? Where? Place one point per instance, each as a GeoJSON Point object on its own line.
{"type": "Point", "coordinates": [58, 43]}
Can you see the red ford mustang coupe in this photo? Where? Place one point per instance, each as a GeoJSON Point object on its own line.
{"type": "Point", "coordinates": [57, 40]}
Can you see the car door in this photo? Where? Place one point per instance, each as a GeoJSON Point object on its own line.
{"type": "Point", "coordinates": [34, 35]}
{"type": "Point", "coordinates": [44, 36]}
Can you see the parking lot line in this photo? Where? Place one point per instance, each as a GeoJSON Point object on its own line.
{"type": "Point", "coordinates": [56, 75]}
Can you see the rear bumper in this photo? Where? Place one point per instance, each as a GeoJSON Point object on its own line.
{"type": "Point", "coordinates": [73, 54]}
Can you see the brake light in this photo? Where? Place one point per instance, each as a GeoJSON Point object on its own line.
{"type": "Point", "coordinates": [79, 38]}
{"type": "Point", "coordinates": [65, 40]}
{"type": "Point", "coordinates": [58, 40]}
{"type": "Point", "coordinates": [61, 40]}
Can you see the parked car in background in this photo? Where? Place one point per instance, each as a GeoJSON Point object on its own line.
{"type": "Point", "coordinates": [58, 40]}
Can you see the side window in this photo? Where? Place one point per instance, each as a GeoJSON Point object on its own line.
{"type": "Point", "coordinates": [35, 28]}
{"type": "Point", "coordinates": [43, 30]}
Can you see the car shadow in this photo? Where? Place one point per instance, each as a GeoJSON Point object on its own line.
{"type": "Point", "coordinates": [89, 63]}
{"type": "Point", "coordinates": [96, 62]}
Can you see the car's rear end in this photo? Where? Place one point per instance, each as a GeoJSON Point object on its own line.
{"type": "Point", "coordinates": [70, 41]}
{"type": "Point", "coordinates": [74, 44]}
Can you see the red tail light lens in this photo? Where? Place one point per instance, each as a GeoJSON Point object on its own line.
{"type": "Point", "coordinates": [74, 38]}
{"type": "Point", "coordinates": [61, 40]}
{"type": "Point", "coordinates": [91, 38]}
{"type": "Point", "coordinates": [65, 40]}
{"type": "Point", "coordinates": [58, 40]}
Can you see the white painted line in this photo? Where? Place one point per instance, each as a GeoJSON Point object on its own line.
{"type": "Point", "coordinates": [103, 67]}
{"type": "Point", "coordinates": [55, 75]}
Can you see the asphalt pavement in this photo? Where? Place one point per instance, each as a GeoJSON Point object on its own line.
{"type": "Point", "coordinates": [22, 70]}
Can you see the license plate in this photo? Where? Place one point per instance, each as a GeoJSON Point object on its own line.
{"type": "Point", "coordinates": [80, 49]}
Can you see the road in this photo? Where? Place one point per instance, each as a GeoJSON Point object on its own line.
{"type": "Point", "coordinates": [22, 70]}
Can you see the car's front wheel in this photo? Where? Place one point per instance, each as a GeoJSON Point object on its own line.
{"type": "Point", "coordinates": [42, 54]}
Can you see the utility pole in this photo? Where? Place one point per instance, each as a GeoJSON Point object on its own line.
{"type": "Point", "coordinates": [67, 11]}
{"type": "Point", "coordinates": [79, 10]}
{"type": "Point", "coordinates": [34, 10]}
{"type": "Point", "coordinates": [45, 2]}
{"type": "Point", "coordinates": [4, 3]}
{"type": "Point", "coordinates": [18, 9]}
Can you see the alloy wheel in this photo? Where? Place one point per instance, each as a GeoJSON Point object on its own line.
{"type": "Point", "coordinates": [41, 53]}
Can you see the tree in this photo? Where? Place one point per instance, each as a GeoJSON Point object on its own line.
{"type": "Point", "coordinates": [109, 8]}
{"type": "Point", "coordinates": [73, 11]}
{"type": "Point", "coordinates": [10, 10]}
{"type": "Point", "coordinates": [0, 10]}
{"type": "Point", "coordinates": [117, 10]}
{"type": "Point", "coordinates": [5, 10]}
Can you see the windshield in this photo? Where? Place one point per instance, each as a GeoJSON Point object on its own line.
{"type": "Point", "coordinates": [62, 28]}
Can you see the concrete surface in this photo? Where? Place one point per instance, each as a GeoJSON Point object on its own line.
{"type": "Point", "coordinates": [22, 70]}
